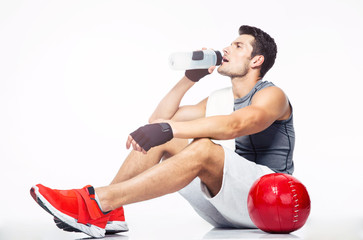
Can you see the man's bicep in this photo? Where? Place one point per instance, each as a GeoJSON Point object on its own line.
{"type": "Point", "coordinates": [191, 112]}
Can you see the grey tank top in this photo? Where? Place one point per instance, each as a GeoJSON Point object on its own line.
{"type": "Point", "coordinates": [274, 146]}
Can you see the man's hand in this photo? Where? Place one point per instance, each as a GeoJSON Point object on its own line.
{"type": "Point", "coordinates": [149, 136]}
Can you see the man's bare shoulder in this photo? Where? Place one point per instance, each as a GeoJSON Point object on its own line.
{"type": "Point", "coordinates": [272, 93]}
{"type": "Point", "coordinates": [274, 100]}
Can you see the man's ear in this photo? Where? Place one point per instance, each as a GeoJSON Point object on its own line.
{"type": "Point", "coordinates": [257, 61]}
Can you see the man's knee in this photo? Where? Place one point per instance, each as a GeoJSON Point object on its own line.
{"type": "Point", "coordinates": [202, 143]}
{"type": "Point", "coordinates": [203, 148]}
{"type": "Point", "coordinates": [198, 146]}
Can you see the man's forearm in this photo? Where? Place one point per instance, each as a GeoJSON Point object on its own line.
{"type": "Point", "coordinates": [215, 127]}
{"type": "Point", "coordinates": [169, 105]}
{"type": "Point", "coordinates": [222, 127]}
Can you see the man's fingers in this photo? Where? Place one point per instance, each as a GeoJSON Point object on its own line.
{"type": "Point", "coordinates": [131, 142]}
{"type": "Point", "coordinates": [211, 69]}
{"type": "Point", "coordinates": [138, 148]}
{"type": "Point", "coordinates": [128, 142]}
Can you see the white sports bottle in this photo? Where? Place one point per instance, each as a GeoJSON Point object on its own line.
{"type": "Point", "coordinates": [195, 60]}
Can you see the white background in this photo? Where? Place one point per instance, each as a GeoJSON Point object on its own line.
{"type": "Point", "coordinates": [76, 77]}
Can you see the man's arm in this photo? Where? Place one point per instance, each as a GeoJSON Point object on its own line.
{"type": "Point", "coordinates": [168, 108]}
{"type": "Point", "coordinates": [268, 105]}
{"type": "Point", "coordinates": [169, 105]}
{"type": "Point", "coordinates": [191, 112]}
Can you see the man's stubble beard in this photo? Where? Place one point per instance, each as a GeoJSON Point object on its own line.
{"type": "Point", "coordinates": [238, 74]}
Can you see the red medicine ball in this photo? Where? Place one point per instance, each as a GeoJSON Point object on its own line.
{"type": "Point", "coordinates": [278, 203]}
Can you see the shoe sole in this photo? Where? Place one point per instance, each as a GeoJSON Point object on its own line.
{"type": "Point", "coordinates": [88, 229]}
{"type": "Point", "coordinates": [112, 227]}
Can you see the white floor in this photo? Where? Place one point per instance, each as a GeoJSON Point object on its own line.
{"type": "Point", "coordinates": [168, 229]}
{"type": "Point", "coordinates": [170, 217]}
{"type": "Point", "coordinates": [154, 230]}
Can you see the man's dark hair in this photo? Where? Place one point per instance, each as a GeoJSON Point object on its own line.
{"type": "Point", "coordinates": [263, 44]}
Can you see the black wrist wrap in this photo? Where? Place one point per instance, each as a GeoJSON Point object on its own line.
{"type": "Point", "coordinates": [196, 74]}
{"type": "Point", "coordinates": [152, 135]}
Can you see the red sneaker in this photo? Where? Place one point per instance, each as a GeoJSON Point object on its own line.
{"type": "Point", "coordinates": [77, 208]}
{"type": "Point", "coordinates": [116, 223]}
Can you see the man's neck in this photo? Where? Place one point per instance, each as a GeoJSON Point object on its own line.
{"type": "Point", "coordinates": [242, 86]}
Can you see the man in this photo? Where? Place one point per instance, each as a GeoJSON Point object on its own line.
{"type": "Point", "coordinates": [213, 178]}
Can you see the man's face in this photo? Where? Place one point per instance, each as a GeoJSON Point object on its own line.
{"type": "Point", "coordinates": [237, 57]}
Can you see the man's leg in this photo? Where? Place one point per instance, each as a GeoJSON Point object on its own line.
{"type": "Point", "coordinates": [137, 162]}
{"type": "Point", "coordinates": [202, 159]}
{"type": "Point", "coordinates": [79, 208]}
{"type": "Point", "coordinates": [133, 165]}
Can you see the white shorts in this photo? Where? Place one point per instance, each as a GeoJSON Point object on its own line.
{"type": "Point", "coordinates": [229, 207]}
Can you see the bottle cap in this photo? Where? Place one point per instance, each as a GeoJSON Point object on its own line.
{"type": "Point", "coordinates": [219, 58]}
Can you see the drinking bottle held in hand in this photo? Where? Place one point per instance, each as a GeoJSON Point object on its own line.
{"type": "Point", "coordinates": [195, 60]}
